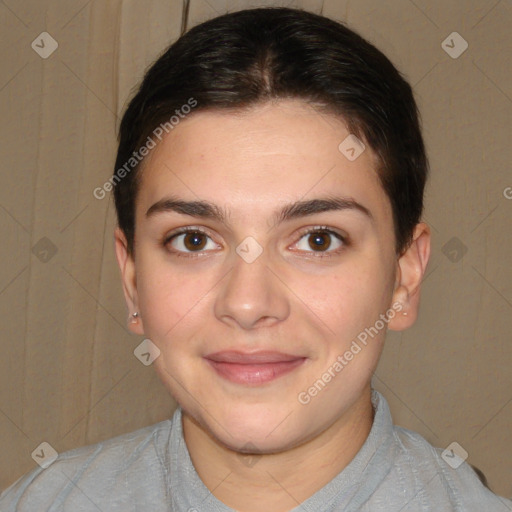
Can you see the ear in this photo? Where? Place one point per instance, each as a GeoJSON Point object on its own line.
{"type": "Point", "coordinates": [127, 266]}
{"type": "Point", "coordinates": [410, 272]}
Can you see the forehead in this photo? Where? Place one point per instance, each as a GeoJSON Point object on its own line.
{"type": "Point", "coordinates": [253, 160]}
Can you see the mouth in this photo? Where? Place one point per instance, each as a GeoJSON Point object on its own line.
{"type": "Point", "coordinates": [255, 368]}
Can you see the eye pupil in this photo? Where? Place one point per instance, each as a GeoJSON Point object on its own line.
{"type": "Point", "coordinates": [194, 241]}
{"type": "Point", "coordinates": [320, 241]}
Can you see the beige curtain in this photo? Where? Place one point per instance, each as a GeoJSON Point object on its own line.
{"type": "Point", "coordinates": [67, 369]}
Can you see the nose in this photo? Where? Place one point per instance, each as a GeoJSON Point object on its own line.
{"type": "Point", "coordinates": [252, 295]}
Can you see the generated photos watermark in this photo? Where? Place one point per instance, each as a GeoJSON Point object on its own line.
{"type": "Point", "coordinates": [304, 397]}
{"type": "Point", "coordinates": [143, 151]}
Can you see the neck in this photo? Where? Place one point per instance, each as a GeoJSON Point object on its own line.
{"type": "Point", "coordinates": [278, 481]}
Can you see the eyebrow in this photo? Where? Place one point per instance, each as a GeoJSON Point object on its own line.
{"type": "Point", "coordinates": [207, 210]}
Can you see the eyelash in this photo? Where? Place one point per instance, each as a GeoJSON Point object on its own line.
{"type": "Point", "coordinates": [325, 230]}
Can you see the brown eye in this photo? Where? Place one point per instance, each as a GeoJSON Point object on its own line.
{"type": "Point", "coordinates": [189, 241]}
{"type": "Point", "coordinates": [319, 241]}
{"type": "Point", "coordinates": [194, 241]}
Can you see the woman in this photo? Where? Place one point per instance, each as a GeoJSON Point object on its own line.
{"type": "Point", "coordinates": [269, 190]}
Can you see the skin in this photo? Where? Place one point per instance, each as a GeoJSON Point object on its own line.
{"type": "Point", "coordinates": [293, 298]}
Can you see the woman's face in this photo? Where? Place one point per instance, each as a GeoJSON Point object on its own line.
{"type": "Point", "coordinates": [289, 256]}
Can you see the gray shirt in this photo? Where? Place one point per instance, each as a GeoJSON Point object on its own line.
{"type": "Point", "coordinates": [396, 470]}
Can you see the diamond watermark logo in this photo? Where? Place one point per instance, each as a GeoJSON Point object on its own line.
{"type": "Point", "coordinates": [44, 249]}
{"type": "Point", "coordinates": [45, 455]}
{"type": "Point", "coordinates": [249, 250]}
{"type": "Point", "coordinates": [249, 457]}
{"type": "Point", "coordinates": [44, 45]}
{"type": "Point", "coordinates": [454, 249]}
{"type": "Point", "coordinates": [146, 352]}
{"type": "Point", "coordinates": [454, 455]}
{"type": "Point", "coordinates": [352, 147]}
{"type": "Point", "coordinates": [454, 45]}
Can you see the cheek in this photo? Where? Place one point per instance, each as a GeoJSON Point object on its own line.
{"type": "Point", "coordinates": [348, 300]}
{"type": "Point", "coordinates": [168, 297]}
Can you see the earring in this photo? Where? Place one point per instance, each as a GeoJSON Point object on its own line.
{"type": "Point", "coordinates": [135, 317]}
{"type": "Point", "coordinates": [405, 313]}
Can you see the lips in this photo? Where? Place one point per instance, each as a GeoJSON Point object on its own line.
{"type": "Point", "coordinates": [253, 368]}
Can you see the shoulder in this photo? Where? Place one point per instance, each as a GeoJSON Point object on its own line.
{"type": "Point", "coordinates": [433, 476]}
{"type": "Point", "coordinates": [88, 475]}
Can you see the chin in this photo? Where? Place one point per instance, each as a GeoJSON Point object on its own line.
{"type": "Point", "coordinates": [257, 428]}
